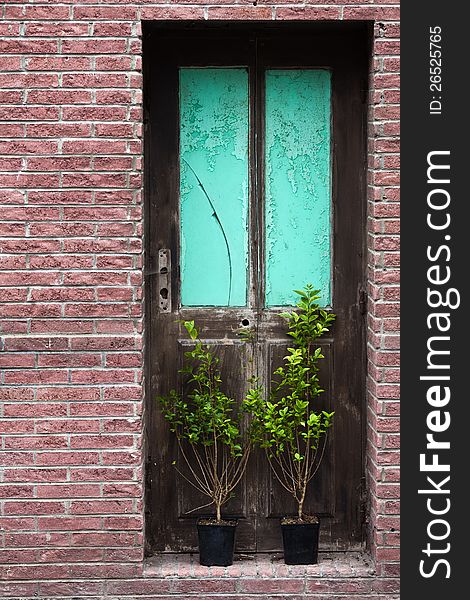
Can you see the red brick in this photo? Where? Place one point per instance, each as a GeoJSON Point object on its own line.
{"type": "Point", "coordinates": [67, 458]}
{"type": "Point", "coordinates": [13, 295]}
{"type": "Point", "coordinates": [21, 147]}
{"type": "Point", "coordinates": [14, 326]}
{"type": "Point", "coordinates": [159, 13]}
{"type": "Point", "coordinates": [114, 197]}
{"type": "Point", "coordinates": [122, 393]}
{"type": "Point", "coordinates": [28, 113]}
{"type": "Point", "coordinates": [13, 359]}
{"type": "Point", "coordinates": [43, 12]}
{"type": "Point", "coordinates": [34, 410]}
{"type": "Point", "coordinates": [30, 310]}
{"type": "Point", "coordinates": [93, 80]}
{"type": "Point", "coordinates": [15, 459]}
{"type": "Point", "coordinates": [95, 278]}
{"type": "Point", "coordinates": [372, 13]}
{"type": "Point", "coordinates": [96, 310]}
{"type": "Point", "coordinates": [31, 343]}
{"type": "Point", "coordinates": [123, 360]}
{"type": "Point", "coordinates": [34, 508]}
{"type": "Point", "coordinates": [387, 47]}
{"type": "Point", "coordinates": [258, 586]}
{"type": "Point", "coordinates": [16, 524]}
{"type": "Point", "coordinates": [105, 539]}
{"type": "Point", "coordinates": [104, 343]}
{"type": "Point", "coordinates": [16, 491]}
{"type": "Point", "coordinates": [130, 522]}
{"type": "Point", "coordinates": [60, 197]}
{"type": "Point", "coordinates": [12, 229]}
{"type": "Point", "coordinates": [60, 229]}
{"type": "Point", "coordinates": [115, 96]}
{"type": "Point", "coordinates": [93, 46]}
{"type": "Point", "coordinates": [245, 13]}
{"type": "Point", "coordinates": [96, 506]}
{"type": "Point", "coordinates": [15, 426]}
{"type": "Point", "coordinates": [66, 555]}
{"type": "Point", "coordinates": [67, 426]}
{"type": "Point", "coordinates": [94, 13]}
{"type": "Point", "coordinates": [56, 29]}
{"type": "Point", "coordinates": [97, 113]}
{"type": "Point", "coordinates": [94, 147]}
{"type": "Point", "coordinates": [63, 163]}
{"type": "Point", "coordinates": [9, 29]}
{"type": "Point", "coordinates": [113, 163]}
{"type": "Point", "coordinates": [19, 590]}
{"type": "Point", "coordinates": [12, 129]}
{"type": "Point", "coordinates": [69, 360]}
{"type": "Point", "coordinates": [117, 29]}
{"type": "Point", "coordinates": [12, 262]}
{"type": "Point", "coordinates": [58, 63]}
{"type": "Point", "coordinates": [37, 572]}
{"type": "Point", "coordinates": [108, 409]}
{"type": "Point", "coordinates": [36, 442]}
{"type": "Point", "coordinates": [68, 394]}
{"type": "Point", "coordinates": [82, 589]}
{"type": "Point", "coordinates": [28, 80]}
{"type": "Point", "coordinates": [101, 474]}
{"type": "Point", "coordinates": [75, 523]}
{"type": "Point", "coordinates": [111, 63]}
{"type": "Point", "coordinates": [307, 13]}
{"type": "Point", "coordinates": [35, 180]}
{"type": "Point", "coordinates": [39, 540]}
{"type": "Point", "coordinates": [60, 97]}
{"type": "Point", "coordinates": [104, 571]}
{"type": "Point", "coordinates": [117, 457]}
{"type": "Point", "coordinates": [101, 441]}
{"type": "Point", "coordinates": [140, 587]}
{"type": "Point", "coordinates": [13, 394]}
{"type": "Point", "coordinates": [14, 63]}
{"type": "Point", "coordinates": [23, 46]}
{"type": "Point", "coordinates": [392, 65]}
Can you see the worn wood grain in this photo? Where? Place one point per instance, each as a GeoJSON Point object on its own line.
{"type": "Point", "coordinates": [338, 491]}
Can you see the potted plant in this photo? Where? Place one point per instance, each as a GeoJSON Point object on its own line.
{"type": "Point", "coordinates": [291, 426]}
{"type": "Point", "coordinates": [211, 440]}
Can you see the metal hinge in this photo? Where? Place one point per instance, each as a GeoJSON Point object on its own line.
{"type": "Point", "coordinates": [362, 302]}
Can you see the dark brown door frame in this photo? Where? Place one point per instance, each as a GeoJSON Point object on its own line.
{"type": "Point", "coordinates": [344, 49]}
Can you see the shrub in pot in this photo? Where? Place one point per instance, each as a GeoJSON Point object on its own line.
{"type": "Point", "coordinates": [212, 442]}
{"type": "Point", "coordinates": [291, 426]}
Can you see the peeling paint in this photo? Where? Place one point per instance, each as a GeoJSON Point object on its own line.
{"type": "Point", "coordinates": [214, 116]}
{"type": "Point", "coordinates": [298, 188]}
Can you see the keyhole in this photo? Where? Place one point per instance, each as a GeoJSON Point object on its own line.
{"type": "Point", "coordinates": [164, 293]}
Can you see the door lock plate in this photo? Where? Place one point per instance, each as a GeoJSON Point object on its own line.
{"type": "Point", "coordinates": [164, 280]}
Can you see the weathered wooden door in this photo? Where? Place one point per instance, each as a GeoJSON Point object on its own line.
{"type": "Point", "coordinates": [255, 166]}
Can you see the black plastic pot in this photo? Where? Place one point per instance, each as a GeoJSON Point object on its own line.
{"type": "Point", "coordinates": [300, 543]}
{"type": "Point", "coordinates": [216, 544]}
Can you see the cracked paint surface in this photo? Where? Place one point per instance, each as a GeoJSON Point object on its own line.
{"type": "Point", "coordinates": [298, 186]}
{"type": "Point", "coordinates": [214, 127]}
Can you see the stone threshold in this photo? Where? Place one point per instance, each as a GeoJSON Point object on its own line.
{"type": "Point", "coordinates": [330, 565]}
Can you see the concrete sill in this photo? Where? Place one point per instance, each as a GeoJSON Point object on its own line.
{"type": "Point", "coordinates": [330, 565]}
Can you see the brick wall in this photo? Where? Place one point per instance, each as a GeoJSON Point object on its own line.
{"type": "Point", "coordinates": [71, 285]}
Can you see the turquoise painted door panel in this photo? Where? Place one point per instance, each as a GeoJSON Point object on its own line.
{"type": "Point", "coordinates": [297, 183]}
{"type": "Point", "coordinates": [214, 133]}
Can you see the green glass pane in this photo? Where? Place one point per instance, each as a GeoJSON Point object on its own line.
{"type": "Point", "coordinates": [214, 114]}
{"type": "Point", "coordinates": [298, 187]}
